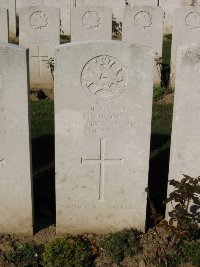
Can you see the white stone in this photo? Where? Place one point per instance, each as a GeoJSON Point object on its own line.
{"type": "Point", "coordinates": [103, 104]}
{"type": "Point", "coordinates": [11, 6]}
{"type": "Point", "coordinates": [15, 163]}
{"type": "Point", "coordinates": [185, 149]}
{"type": "Point", "coordinates": [91, 23]}
{"type": "Point", "coordinates": [3, 25]}
{"type": "Point", "coordinates": [40, 32]}
{"type": "Point", "coordinates": [169, 6]}
{"type": "Point", "coordinates": [116, 5]}
{"type": "Point", "coordinates": [145, 3]}
{"type": "Point", "coordinates": [186, 31]}
{"type": "Point", "coordinates": [144, 25]}
{"type": "Point", "coordinates": [64, 6]}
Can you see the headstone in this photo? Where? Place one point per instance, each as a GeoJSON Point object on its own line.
{"type": "Point", "coordinates": [169, 7]}
{"type": "Point", "coordinates": [91, 23]}
{"type": "Point", "coordinates": [11, 6]}
{"type": "Point", "coordinates": [103, 104]}
{"type": "Point", "coordinates": [185, 149]}
{"type": "Point", "coordinates": [3, 25]}
{"type": "Point", "coordinates": [144, 25]}
{"type": "Point", "coordinates": [64, 6]}
{"type": "Point", "coordinates": [15, 164]}
{"type": "Point", "coordinates": [145, 3]}
{"type": "Point", "coordinates": [186, 30]}
{"type": "Point", "coordinates": [116, 5]}
{"type": "Point", "coordinates": [40, 32]}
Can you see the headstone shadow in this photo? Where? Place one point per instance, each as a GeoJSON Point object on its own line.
{"type": "Point", "coordinates": [43, 158]}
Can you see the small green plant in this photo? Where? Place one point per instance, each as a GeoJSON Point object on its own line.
{"type": "Point", "coordinates": [50, 65]}
{"type": "Point", "coordinates": [121, 244]}
{"type": "Point", "coordinates": [157, 93]}
{"type": "Point", "coordinates": [25, 255]}
{"type": "Point", "coordinates": [69, 252]}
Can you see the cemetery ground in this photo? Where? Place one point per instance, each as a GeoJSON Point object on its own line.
{"type": "Point", "coordinates": [125, 248]}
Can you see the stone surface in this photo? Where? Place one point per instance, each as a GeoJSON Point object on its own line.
{"type": "Point", "coordinates": [40, 32]}
{"type": "Point", "coordinates": [169, 6]}
{"type": "Point", "coordinates": [144, 25]}
{"type": "Point", "coordinates": [64, 6]}
{"type": "Point", "coordinates": [15, 163]}
{"type": "Point", "coordinates": [185, 150]}
{"type": "Point", "coordinates": [145, 3]}
{"type": "Point", "coordinates": [116, 5]}
{"type": "Point", "coordinates": [4, 25]}
{"type": "Point", "coordinates": [103, 104]}
{"type": "Point", "coordinates": [11, 6]}
{"type": "Point", "coordinates": [91, 23]}
{"type": "Point", "coordinates": [186, 30]}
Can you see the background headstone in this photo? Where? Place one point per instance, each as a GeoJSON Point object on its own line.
{"type": "Point", "coordinates": [15, 164]}
{"type": "Point", "coordinates": [103, 104]}
{"type": "Point", "coordinates": [11, 6]}
{"type": "Point", "coordinates": [185, 149]}
{"type": "Point", "coordinates": [169, 7]}
{"type": "Point", "coordinates": [186, 30]}
{"type": "Point", "coordinates": [64, 6]}
{"type": "Point", "coordinates": [40, 32]}
{"type": "Point", "coordinates": [145, 3]}
{"type": "Point", "coordinates": [3, 25]}
{"type": "Point", "coordinates": [144, 25]}
{"type": "Point", "coordinates": [91, 23]}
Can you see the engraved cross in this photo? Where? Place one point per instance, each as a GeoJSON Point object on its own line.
{"type": "Point", "coordinates": [40, 60]}
{"type": "Point", "coordinates": [102, 161]}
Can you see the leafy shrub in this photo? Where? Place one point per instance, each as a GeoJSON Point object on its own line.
{"type": "Point", "coordinates": [25, 255]}
{"type": "Point", "coordinates": [121, 244]}
{"type": "Point", "coordinates": [69, 252]}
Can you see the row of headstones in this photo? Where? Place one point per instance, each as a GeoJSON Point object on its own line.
{"type": "Point", "coordinates": [39, 31]}
{"type": "Point", "coordinates": [117, 6]}
{"type": "Point", "coordinates": [103, 106]}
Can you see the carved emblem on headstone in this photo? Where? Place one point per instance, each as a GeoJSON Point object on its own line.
{"type": "Point", "coordinates": [91, 20]}
{"type": "Point", "coordinates": [192, 20]}
{"type": "Point", "coordinates": [143, 20]}
{"type": "Point", "coordinates": [104, 76]}
{"type": "Point", "coordinates": [39, 20]}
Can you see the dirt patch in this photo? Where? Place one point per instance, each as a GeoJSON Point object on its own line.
{"type": "Point", "coordinates": [166, 99]}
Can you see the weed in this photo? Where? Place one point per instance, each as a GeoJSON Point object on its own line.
{"type": "Point", "coordinates": [70, 252]}
{"type": "Point", "coordinates": [121, 244]}
{"type": "Point", "coordinates": [25, 255]}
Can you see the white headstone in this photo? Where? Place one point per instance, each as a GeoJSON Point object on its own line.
{"type": "Point", "coordinates": [103, 104]}
{"type": "Point", "coordinates": [40, 32]}
{"type": "Point", "coordinates": [144, 25]}
{"type": "Point", "coordinates": [145, 3]}
{"type": "Point", "coordinates": [186, 30]}
{"type": "Point", "coordinates": [185, 149]}
{"type": "Point", "coordinates": [64, 6]}
{"type": "Point", "coordinates": [169, 7]}
{"type": "Point", "coordinates": [91, 23]}
{"type": "Point", "coordinates": [15, 163]}
{"type": "Point", "coordinates": [11, 6]}
{"type": "Point", "coordinates": [3, 25]}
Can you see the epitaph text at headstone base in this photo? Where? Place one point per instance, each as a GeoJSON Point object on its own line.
{"type": "Point", "coordinates": [3, 25]}
{"type": "Point", "coordinates": [15, 163]}
{"type": "Point", "coordinates": [103, 105]}
{"type": "Point", "coordinates": [91, 23]}
{"type": "Point", "coordinates": [40, 32]}
{"type": "Point", "coordinates": [186, 31]}
{"type": "Point", "coordinates": [11, 6]}
{"type": "Point", "coordinates": [185, 150]}
{"type": "Point", "coordinates": [144, 25]}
